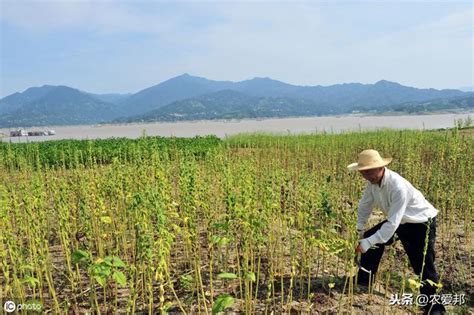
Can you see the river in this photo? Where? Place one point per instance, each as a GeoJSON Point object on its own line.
{"type": "Point", "coordinates": [222, 129]}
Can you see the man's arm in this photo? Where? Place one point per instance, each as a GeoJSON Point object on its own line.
{"type": "Point", "coordinates": [399, 201]}
{"type": "Point", "coordinates": [366, 205]}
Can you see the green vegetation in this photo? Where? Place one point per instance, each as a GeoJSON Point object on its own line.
{"type": "Point", "coordinates": [255, 223]}
{"type": "Point", "coordinates": [90, 153]}
{"type": "Point", "coordinates": [454, 104]}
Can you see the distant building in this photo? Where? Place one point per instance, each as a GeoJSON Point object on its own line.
{"type": "Point", "coordinates": [35, 133]}
{"type": "Point", "coordinates": [18, 133]}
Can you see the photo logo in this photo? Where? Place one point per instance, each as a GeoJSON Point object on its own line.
{"type": "Point", "coordinates": [33, 306]}
{"type": "Point", "coordinates": [9, 306]}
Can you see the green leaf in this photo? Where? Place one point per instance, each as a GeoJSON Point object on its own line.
{"type": "Point", "coordinates": [215, 239]}
{"type": "Point", "coordinates": [250, 276]}
{"type": "Point", "coordinates": [108, 261]}
{"type": "Point", "coordinates": [186, 281]}
{"type": "Point", "coordinates": [30, 281]}
{"type": "Point", "coordinates": [117, 262]}
{"type": "Point", "coordinates": [104, 271]}
{"type": "Point", "coordinates": [79, 256]}
{"type": "Point", "coordinates": [100, 280]}
{"type": "Point", "coordinates": [227, 276]}
{"type": "Point", "coordinates": [223, 241]}
{"type": "Point", "coordinates": [100, 270]}
{"type": "Point", "coordinates": [98, 261]}
{"type": "Point", "coordinates": [120, 278]}
{"type": "Point", "coordinates": [219, 241]}
{"type": "Point", "coordinates": [221, 303]}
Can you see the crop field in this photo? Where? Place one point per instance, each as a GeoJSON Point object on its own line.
{"type": "Point", "coordinates": [253, 224]}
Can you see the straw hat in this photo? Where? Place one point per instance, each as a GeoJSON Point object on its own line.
{"type": "Point", "coordinates": [369, 159]}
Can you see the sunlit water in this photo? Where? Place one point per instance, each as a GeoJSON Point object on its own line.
{"type": "Point", "coordinates": [226, 128]}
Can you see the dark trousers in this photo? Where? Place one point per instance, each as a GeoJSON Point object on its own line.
{"type": "Point", "coordinates": [412, 236]}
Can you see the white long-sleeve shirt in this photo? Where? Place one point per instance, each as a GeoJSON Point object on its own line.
{"type": "Point", "coordinates": [400, 202]}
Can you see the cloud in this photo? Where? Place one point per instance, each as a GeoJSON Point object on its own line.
{"type": "Point", "coordinates": [301, 44]}
{"type": "Point", "coordinates": [260, 40]}
{"type": "Point", "coordinates": [296, 42]}
{"type": "Point", "coordinates": [438, 51]}
{"type": "Point", "coordinates": [103, 17]}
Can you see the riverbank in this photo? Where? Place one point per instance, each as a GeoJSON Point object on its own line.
{"type": "Point", "coordinates": [221, 128]}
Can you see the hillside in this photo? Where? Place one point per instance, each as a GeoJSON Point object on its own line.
{"type": "Point", "coordinates": [187, 97]}
{"type": "Point", "coordinates": [58, 105]}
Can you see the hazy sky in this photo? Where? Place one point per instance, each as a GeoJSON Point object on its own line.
{"type": "Point", "coordinates": [125, 46]}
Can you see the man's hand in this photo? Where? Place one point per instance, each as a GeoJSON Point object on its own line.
{"type": "Point", "coordinates": [363, 246]}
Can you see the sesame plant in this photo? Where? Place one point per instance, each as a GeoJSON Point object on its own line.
{"type": "Point", "coordinates": [253, 223]}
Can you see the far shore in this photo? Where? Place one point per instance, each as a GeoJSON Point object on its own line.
{"type": "Point", "coordinates": [223, 128]}
{"type": "Point", "coordinates": [236, 120]}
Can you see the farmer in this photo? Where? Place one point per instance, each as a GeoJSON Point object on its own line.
{"type": "Point", "coordinates": [408, 214]}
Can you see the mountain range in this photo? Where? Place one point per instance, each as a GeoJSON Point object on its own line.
{"type": "Point", "coordinates": [189, 97]}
